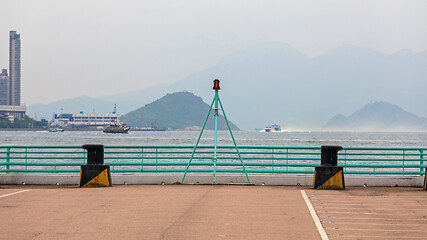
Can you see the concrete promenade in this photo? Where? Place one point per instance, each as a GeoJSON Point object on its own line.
{"type": "Point", "coordinates": [211, 212]}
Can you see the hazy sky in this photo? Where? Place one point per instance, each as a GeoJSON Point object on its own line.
{"type": "Point", "coordinates": [98, 48]}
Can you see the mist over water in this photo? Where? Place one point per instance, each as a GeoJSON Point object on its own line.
{"type": "Point", "coordinates": [349, 139]}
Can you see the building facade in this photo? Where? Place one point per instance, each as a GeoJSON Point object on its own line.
{"type": "Point", "coordinates": [12, 112]}
{"type": "Point", "coordinates": [15, 68]}
{"type": "Point", "coordinates": [10, 84]}
{"type": "Point", "coordinates": [4, 87]}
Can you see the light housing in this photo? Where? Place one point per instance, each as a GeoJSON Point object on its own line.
{"type": "Point", "coordinates": [216, 85]}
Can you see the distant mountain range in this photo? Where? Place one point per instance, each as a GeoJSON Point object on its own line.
{"type": "Point", "coordinates": [378, 116]}
{"type": "Point", "coordinates": [72, 105]}
{"type": "Point", "coordinates": [274, 83]}
{"type": "Point", "coordinates": [177, 111]}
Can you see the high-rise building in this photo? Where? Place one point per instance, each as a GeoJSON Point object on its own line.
{"type": "Point", "coordinates": [14, 68]}
{"type": "Point", "coordinates": [10, 86]}
{"type": "Point", "coordinates": [4, 87]}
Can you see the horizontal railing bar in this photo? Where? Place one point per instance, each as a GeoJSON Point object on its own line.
{"type": "Point", "coordinates": [42, 170]}
{"type": "Point", "coordinates": [209, 170]}
{"type": "Point", "coordinates": [43, 157]}
{"type": "Point", "coordinates": [236, 164]}
{"type": "Point", "coordinates": [245, 158]}
{"type": "Point", "coordinates": [379, 154]}
{"type": "Point", "coordinates": [385, 148]}
{"type": "Point", "coordinates": [45, 152]}
{"type": "Point", "coordinates": [378, 159]}
{"type": "Point", "coordinates": [219, 146]}
{"type": "Point", "coordinates": [42, 164]}
{"type": "Point", "coordinates": [211, 152]}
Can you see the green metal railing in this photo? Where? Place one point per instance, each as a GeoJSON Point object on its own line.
{"type": "Point", "coordinates": [174, 159]}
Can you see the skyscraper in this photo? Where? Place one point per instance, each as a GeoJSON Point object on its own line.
{"type": "Point", "coordinates": [14, 68]}
{"type": "Point", "coordinates": [10, 86]}
{"type": "Point", "coordinates": [4, 87]}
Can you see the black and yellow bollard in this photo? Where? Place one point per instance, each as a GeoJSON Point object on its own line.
{"type": "Point", "coordinates": [425, 180]}
{"type": "Point", "coordinates": [329, 175]}
{"type": "Point", "coordinates": [95, 173]}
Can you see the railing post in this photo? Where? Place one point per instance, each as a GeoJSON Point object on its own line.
{"type": "Point", "coordinates": [421, 162]}
{"type": "Point", "coordinates": [272, 160]}
{"type": "Point", "coordinates": [156, 160]}
{"type": "Point", "coordinates": [142, 159]}
{"type": "Point", "coordinates": [7, 159]}
{"type": "Point", "coordinates": [345, 160]}
{"type": "Point", "coordinates": [287, 160]}
{"type": "Point", "coordinates": [26, 159]}
{"type": "Point", "coordinates": [403, 162]}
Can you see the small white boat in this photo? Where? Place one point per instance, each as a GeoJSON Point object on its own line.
{"type": "Point", "coordinates": [272, 128]}
{"type": "Point", "coordinates": [56, 130]}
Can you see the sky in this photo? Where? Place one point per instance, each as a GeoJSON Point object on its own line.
{"type": "Point", "coordinates": [98, 48]}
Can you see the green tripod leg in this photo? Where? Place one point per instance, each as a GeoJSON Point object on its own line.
{"type": "Point", "coordinates": [234, 141]}
{"type": "Point", "coordinates": [197, 143]}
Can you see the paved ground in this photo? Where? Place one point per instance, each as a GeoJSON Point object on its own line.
{"type": "Point", "coordinates": [372, 213]}
{"type": "Point", "coordinates": [155, 212]}
{"type": "Point", "coordinates": [210, 212]}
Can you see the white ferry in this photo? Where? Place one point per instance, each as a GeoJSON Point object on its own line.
{"type": "Point", "coordinates": [272, 128]}
{"type": "Point", "coordinates": [82, 121]}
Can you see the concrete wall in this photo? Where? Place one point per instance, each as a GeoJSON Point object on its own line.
{"type": "Point", "coordinates": [257, 179]}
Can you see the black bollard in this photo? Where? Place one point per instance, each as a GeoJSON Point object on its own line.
{"type": "Point", "coordinates": [329, 175]}
{"type": "Point", "coordinates": [95, 173]}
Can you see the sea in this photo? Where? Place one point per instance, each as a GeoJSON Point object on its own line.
{"type": "Point", "coordinates": [346, 139]}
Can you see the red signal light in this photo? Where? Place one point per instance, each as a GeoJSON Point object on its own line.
{"type": "Point", "coordinates": [216, 84]}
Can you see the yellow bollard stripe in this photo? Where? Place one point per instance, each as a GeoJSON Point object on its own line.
{"type": "Point", "coordinates": [335, 182]}
{"type": "Point", "coordinates": [80, 179]}
{"type": "Point", "coordinates": [102, 180]}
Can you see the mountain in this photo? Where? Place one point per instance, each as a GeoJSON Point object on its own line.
{"type": "Point", "coordinates": [273, 82]}
{"type": "Point", "coordinates": [73, 105]}
{"type": "Point", "coordinates": [177, 111]}
{"type": "Point", "coordinates": [378, 116]}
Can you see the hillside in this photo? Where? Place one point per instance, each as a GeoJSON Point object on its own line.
{"type": "Point", "coordinates": [175, 110]}
{"type": "Point", "coordinates": [273, 82]}
{"type": "Point", "coordinates": [378, 116]}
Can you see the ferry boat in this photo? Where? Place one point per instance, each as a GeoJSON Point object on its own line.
{"type": "Point", "coordinates": [55, 130]}
{"type": "Point", "coordinates": [272, 128]}
{"type": "Point", "coordinates": [116, 128]}
{"type": "Point", "coordinates": [85, 121]}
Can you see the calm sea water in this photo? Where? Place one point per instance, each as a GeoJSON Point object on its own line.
{"type": "Point", "coordinates": [353, 139]}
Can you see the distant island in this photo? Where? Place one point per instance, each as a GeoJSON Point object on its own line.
{"type": "Point", "coordinates": [26, 123]}
{"type": "Point", "coordinates": [179, 110]}
{"type": "Point", "coordinates": [378, 116]}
